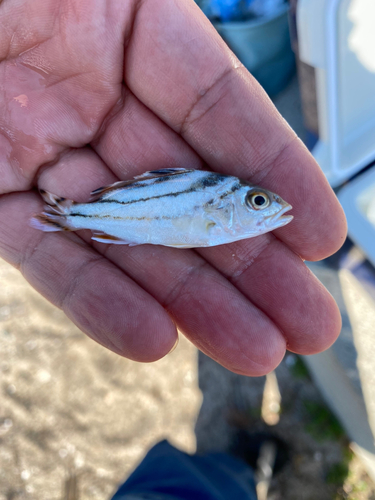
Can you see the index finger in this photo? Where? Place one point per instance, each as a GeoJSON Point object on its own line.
{"type": "Point", "coordinates": [180, 68]}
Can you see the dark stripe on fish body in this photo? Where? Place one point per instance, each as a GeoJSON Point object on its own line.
{"type": "Point", "coordinates": [163, 179]}
{"type": "Point", "coordinates": [165, 175]}
{"type": "Point", "coordinates": [96, 216]}
{"type": "Point", "coordinates": [114, 217]}
{"type": "Point", "coordinates": [236, 186]}
{"type": "Point", "coordinates": [209, 181]}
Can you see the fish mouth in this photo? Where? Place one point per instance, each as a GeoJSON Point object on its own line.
{"type": "Point", "coordinates": [280, 219]}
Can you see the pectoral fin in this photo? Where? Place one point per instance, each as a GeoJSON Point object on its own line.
{"type": "Point", "coordinates": [220, 213]}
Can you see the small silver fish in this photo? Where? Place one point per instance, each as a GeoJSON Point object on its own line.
{"type": "Point", "coordinates": [174, 207]}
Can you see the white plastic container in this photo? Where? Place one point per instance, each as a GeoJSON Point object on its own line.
{"type": "Point", "coordinates": [337, 39]}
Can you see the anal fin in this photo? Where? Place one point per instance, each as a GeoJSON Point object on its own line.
{"type": "Point", "coordinates": [107, 238]}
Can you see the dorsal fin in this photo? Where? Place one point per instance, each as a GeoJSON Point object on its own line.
{"type": "Point", "coordinates": [115, 185]}
{"type": "Point", "coordinates": [162, 172]}
{"type": "Point", "coordinates": [152, 174]}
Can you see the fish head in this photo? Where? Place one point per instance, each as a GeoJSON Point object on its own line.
{"type": "Point", "coordinates": [260, 210]}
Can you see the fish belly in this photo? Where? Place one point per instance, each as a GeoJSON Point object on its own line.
{"type": "Point", "coordinates": [138, 226]}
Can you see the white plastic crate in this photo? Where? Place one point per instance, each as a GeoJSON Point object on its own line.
{"type": "Point", "coordinates": [337, 39]}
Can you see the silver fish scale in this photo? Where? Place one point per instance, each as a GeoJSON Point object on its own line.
{"type": "Point", "coordinates": [172, 207]}
{"type": "Point", "coordinates": [151, 208]}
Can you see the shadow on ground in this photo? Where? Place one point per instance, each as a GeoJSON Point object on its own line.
{"type": "Point", "coordinates": [321, 463]}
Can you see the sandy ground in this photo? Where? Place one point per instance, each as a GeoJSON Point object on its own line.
{"type": "Point", "coordinates": [75, 419]}
{"type": "Point", "coordinates": [69, 406]}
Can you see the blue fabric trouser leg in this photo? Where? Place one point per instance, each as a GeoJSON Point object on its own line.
{"type": "Point", "coordinates": [169, 474]}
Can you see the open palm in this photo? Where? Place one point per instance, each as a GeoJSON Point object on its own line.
{"type": "Point", "coordinates": [92, 91]}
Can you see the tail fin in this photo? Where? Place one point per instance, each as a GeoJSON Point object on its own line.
{"type": "Point", "coordinates": [48, 222]}
{"type": "Point", "coordinates": [54, 216]}
{"type": "Point", "coordinates": [56, 204]}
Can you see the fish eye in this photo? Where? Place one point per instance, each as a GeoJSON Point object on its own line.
{"type": "Point", "coordinates": [257, 200]}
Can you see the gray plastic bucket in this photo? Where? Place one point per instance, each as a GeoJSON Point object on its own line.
{"type": "Point", "coordinates": [263, 46]}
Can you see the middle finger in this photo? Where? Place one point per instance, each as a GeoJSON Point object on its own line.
{"type": "Point", "coordinates": [265, 270]}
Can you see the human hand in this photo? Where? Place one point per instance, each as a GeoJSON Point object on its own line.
{"type": "Point", "coordinates": [98, 90]}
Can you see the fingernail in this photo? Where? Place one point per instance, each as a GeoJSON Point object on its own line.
{"type": "Point", "coordinates": [175, 345]}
